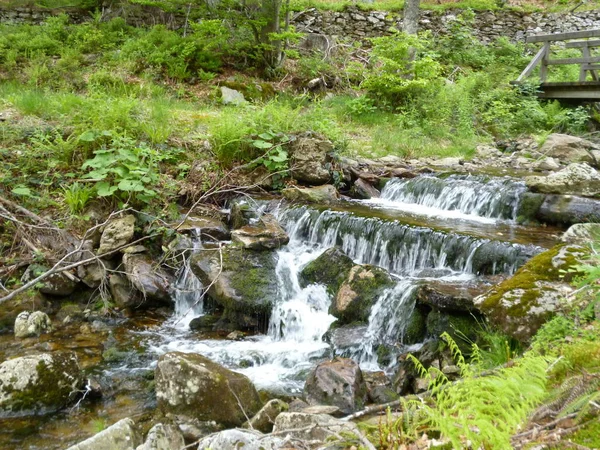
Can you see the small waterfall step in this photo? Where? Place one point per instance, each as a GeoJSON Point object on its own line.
{"type": "Point", "coordinates": [468, 195]}
{"type": "Point", "coordinates": [402, 249]}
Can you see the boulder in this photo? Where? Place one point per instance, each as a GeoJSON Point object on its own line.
{"type": "Point", "coordinates": [246, 287]}
{"type": "Point", "coordinates": [123, 293]}
{"type": "Point", "coordinates": [358, 293]}
{"type": "Point", "coordinates": [568, 210]}
{"type": "Point", "coordinates": [582, 233]}
{"type": "Point", "coordinates": [163, 437]}
{"type": "Point", "coordinates": [548, 164]}
{"type": "Point", "coordinates": [445, 298]}
{"type": "Point", "coordinates": [192, 385]}
{"type": "Point", "coordinates": [520, 305]}
{"type": "Point", "coordinates": [314, 427]}
{"type": "Point", "coordinates": [93, 274]}
{"type": "Point", "coordinates": [122, 435]}
{"type": "Point", "coordinates": [243, 439]}
{"type": "Point", "coordinates": [241, 213]}
{"type": "Point", "coordinates": [264, 419]}
{"type": "Point", "coordinates": [32, 324]}
{"type": "Point", "coordinates": [309, 158]}
{"type": "Point", "coordinates": [38, 384]}
{"type": "Point", "coordinates": [337, 383]}
{"type": "Point", "coordinates": [569, 149]}
{"type": "Point", "coordinates": [148, 277]}
{"type": "Point", "coordinates": [117, 233]}
{"type": "Point", "coordinates": [321, 194]}
{"type": "Point", "coordinates": [346, 338]}
{"type": "Point", "coordinates": [231, 96]}
{"type": "Point", "coordinates": [209, 228]}
{"type": "Point", "coordinates": [266, 234]}
{"type": "Point", "coordinates": [330, 268]}
{"type": "Point", "coordinates": [363, 189]}
{"type": "Point", "coordinates": [58, 284]}
{"type": "Point", "coordinates": [575, 179]}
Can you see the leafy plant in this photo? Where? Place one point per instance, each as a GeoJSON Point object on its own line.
{"type": "Point", "coordinates": [77, 197]}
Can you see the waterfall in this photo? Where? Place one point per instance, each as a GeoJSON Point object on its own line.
{"type": "Point", "coordinates": [402, 249]}
{"type": "Point", "coordinates": [470, 195]}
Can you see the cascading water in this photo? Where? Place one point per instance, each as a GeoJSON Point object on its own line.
{"type": "Point", "coordinates": [458, 196]}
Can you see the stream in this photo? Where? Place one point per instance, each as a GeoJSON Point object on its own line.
{"type": "Point", "coordinates": [456, 231]}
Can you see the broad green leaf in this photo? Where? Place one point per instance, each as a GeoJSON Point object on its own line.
{"type": "Point", "coordinates": [88, 136]}
{"type": "Point", "coordinates": [22, 190]}
{"type": "Point", "coordinates": [262, 144]}
{"type": "Point", "coordinates": [104, 189]}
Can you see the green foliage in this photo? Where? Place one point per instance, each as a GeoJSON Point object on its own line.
{"type": "Point", "coordinates": [274, 157]}
{"type": "Point", "coordinates": [77, 196]}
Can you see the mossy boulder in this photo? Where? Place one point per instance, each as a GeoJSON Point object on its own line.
{"type": "Point", "coordinates": [575, 179]}
{"type": "Point", "coordinates": [192, 385]}
{"type": "Point", "coordinates": [520, 305]}
{"type": "Point", "coordinates": [38, 384]}
{"type": "Point", "coordinates": [528, 208]}
{"type": "Point", "coordinates": [416, 327]}
{"type": "Point", "coordinates": [330, 268]}
{"type": "Point", "coordinates": [359, 292]}
{"type": "Point", "coordinates": [245, 286]}
{"type": "Point", "coordinates": [252, 91]}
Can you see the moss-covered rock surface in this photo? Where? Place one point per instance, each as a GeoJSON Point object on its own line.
{"type": "Point", "coordinates": [331, 268]}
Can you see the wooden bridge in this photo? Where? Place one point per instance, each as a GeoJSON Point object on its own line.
{"type": "Point", "coordinates": [588, 85]}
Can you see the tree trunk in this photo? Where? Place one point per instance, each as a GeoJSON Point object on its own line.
{"type": "Point", "coordinates": [271, 11]}
{"type": "Point", "coordinates": [410, 21]}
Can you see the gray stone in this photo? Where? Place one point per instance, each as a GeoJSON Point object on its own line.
{"type": "Point", "coordinates": [231, 96]}
{"type": "Point", "coordinates": [568, 210]}
{"type": "Point", "coordinates": [209, 228]}
{"type": "Point", "coordinates": [264, 419]}
{"type": "Point", "coordinates": [548, 164]}
{"type": "Point", "coordinates": [32, 324]}
{"type": "Point", "coordinates": [37, 384]}
{"type": "Point", "coordinates": [582, 233]}
{"type": "Point", "coordinates": [58, 284]}
{"type": "Point", "coordinates": [309, 155]}
{"type": "Point", "coordinates": [118, 232]}
{"type": "Point", "coordinates": [446, 162]}
{"type": "Point", "coordinates": [148, 277]}
{"type": "Point", "coordinates": [122, 435]}
{"type": "Point", "coordinates": [337, 383]}
{"type": "Point", "coordinates": [362, 189]}
{"type": "Point", "coordinates": [242, 439]}
{"type": "Point", "coordinates": [163, 437]}
{"type": "Point", "coordinates": [122, 291]}
{"type": "Point", "coordinates": [575, 179]}
{"type": "Point", "coordinates": [321, 194]}
{"type": "Point", "coordinates": [319, 427]}
{"type": "Point", "coordinates": [266, 234]}
{"type": "Point", "coordinates": [192, 385]}
{"type": "Point", "coordinates": [569, 149]}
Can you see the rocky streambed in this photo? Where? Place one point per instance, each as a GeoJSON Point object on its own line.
{"type": "Point", "coordinates": [284, 313]}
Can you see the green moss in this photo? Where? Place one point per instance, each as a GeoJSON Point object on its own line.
{"type": "Point", "coordinates": [416, 327]}
{"type": "Point", "coordinates": [588, 435]}
{"type": "Point", "coordinates": [330, 269]}
{"type": "Point", "coordinates": [528, 207]}
{"type": "Point", "coordinates": [462, 328]}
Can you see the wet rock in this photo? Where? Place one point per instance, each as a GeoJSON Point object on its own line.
{"type": "Point", "coordinates": [231, 96]}
{"type": "Point", "coordinates": [458, 326]}
{"type": "Point", "coordinates": [520, 305]}
{"type": "Point", "coordinates": [382, 394]}
{"type": "Point", "coordinates": [264, 419]}
{"type": "Point", "coordinates": [497, 257]}
{"type": "Point", "coordinates": [266, 234]}
{"type": "Point", "coordinates": [32, 324]}
{"type": "Point", "coordinates": [192, 385]}
{"type": "Point", "coordinates": [236, 336]}
{"type": "Point", "coordinates": [122, 435]}
{"type": "Point", "coordinates": [38, 384]}
{"type": "Point", "coordinates": [241, 213]}
{"type": "Point", "coordinates": [122, 291]}
{"type": "Point", "coordinates": [204, 323]}
{"type": "Point", "coordinates": [575, 179]}
{"type": "Point", "coordinates": [529, 206]}
{"type": "Point", "coordinates": [445, 298]}
{"type": "Point", "coordinates": [416, 326]}
{"type": "Point", "coordinates": [330, 268]}
{"type": "Point", "coordinates": [70, 313]}
{"type": "Point", "coordinates": [148, 277]}
{"type": "Point", "coordinates": [163, 437]}
{"type": "Point", "coordinates": [568, 210]}
{"type": "Point", "coordinates": [582, 233]}
{"type": "Point", "coordinates": [246, 287]}
{"type": "Point", "coordinates": [363, 189]}
{"type": "Point", "coordinates": [358, 293]}
{"type": "Point", "coordinates": [309, 157]}
{"type": "Point", "coordinates": [318, 427]}
{"type": "Point", "coordinates": [338, 383]}
{"type": "Point", "coordinates": [320, 194]}
{"type": "Point", "coordinates": [58, 284]}
{"type": "Point", "coordinates": [117, 233]}
{"type": "Point", "coordinates": [569, 149]}
{"type": "Point", "coordinates": [210, 228]}
{"type": "Point", "coordinates": [346, 337]}
{"type": "Point", "coordinates": [242, 439]}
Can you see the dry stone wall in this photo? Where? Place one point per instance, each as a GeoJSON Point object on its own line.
{"type": "Point", "coordinates": [354, 23]}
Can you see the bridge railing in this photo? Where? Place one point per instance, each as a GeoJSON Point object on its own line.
{"type": "Point", "coordinates": [588, 63]}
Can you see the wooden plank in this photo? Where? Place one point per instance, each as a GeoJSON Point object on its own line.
{"type": "Point", "coordinates": [544, 67]}
{"type": "Point", "coordinates": [562, 62]}
{"type": "Point", "coordinates": [589, 90]}
{"type": "Point", "coordinates": [563, 36]}
{"type": "Point", "coordinates": [533, 64]}
{"type": "Point", "coordinates": [578, 44]}
{"type": "Point", "coordinates": [586, 54]}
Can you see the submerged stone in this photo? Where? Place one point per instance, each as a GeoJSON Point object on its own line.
{"type": "Point", "coordinates": [192, 385]}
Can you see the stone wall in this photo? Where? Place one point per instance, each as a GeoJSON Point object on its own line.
{"type": "Point", "coordinates": [354, 23]}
